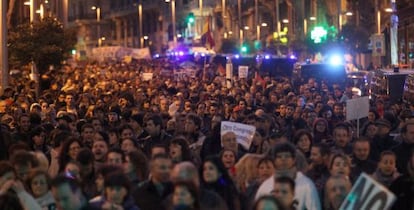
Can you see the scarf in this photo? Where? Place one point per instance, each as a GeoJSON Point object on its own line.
{"type": "Point", "coordinates": [385, 179]}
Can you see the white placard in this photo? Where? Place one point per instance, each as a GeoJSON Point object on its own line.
{"type": "Point", "coordinates": [244, 133]}
{"type": "Point", "coordinates": [357, 108]}
{"type": "Point", "coordinates": [368, 194]}
{"type": "Point", "coordinates": [147, 76]}
{"type": "Point", "coordinates": [229, 70]}
{"type": "Point", "coordinates": [243, 71]}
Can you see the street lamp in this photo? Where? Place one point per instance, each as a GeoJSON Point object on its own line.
{"type": "Point", "coordinates": [31, 4]}
{"type": "Point", "coordinates": [173, 20]}
{"type": "Point", "coordinates": [98, 20]}
{"type": "Point", "coordinates": [141, 39]}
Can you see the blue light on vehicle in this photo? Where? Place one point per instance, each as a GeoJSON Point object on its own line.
{"type": "Point", "coordinates": [292, 57]}
{"type": "Point", "coordinates": [237, 56]}
{"type": "Point", "coordinates": [181, 53]}
{"type": "Point", "coordinates": [335, 60]}
{"type": "Point", "coordinates": [157, 55]}
{"type": "Point", "coordinates": [202, 54]}
{"type": "Point", "coordinates": [267, 56]}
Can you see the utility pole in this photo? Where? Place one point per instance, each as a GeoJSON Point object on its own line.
{"type": "Point", "coordinates": [4, 71]}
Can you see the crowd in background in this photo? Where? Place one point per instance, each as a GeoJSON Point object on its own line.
{"type": "Point", "coordinates": [99, 136]}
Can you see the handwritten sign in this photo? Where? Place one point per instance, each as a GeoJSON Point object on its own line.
{"type": "Point", "coordinates": [368, 194]}
{"type": "Point", "coordinates": [243, 71]}
{"type": "Point", "coordinates": [357, 108]}
{"type": "Point", "coordinates": [244, 133]}
{"type": "Point", "coordinates": [147, 76]}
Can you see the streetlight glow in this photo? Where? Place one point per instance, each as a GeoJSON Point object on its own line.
{"type": "Point", "coordinates": [349, 14]}
{"type": "Point", "coordinates": [264, 24]}
{"type": "Point", "coordinates": [285, 21]}
{"type": "Point", "coordinates": [389, 10]}
{"type": "Point", "coordinates": [312, 18]}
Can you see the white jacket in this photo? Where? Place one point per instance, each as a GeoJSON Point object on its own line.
{"type": "Point", "coordinates": [305, 192]}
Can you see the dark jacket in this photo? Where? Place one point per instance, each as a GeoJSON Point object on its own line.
{"type": "Point", "coordinates": [127, 205]}
{"type": "Point", "coordinates": [147, 197]}
{"type": "Point", "coordinates": [403, 188]}
{"type": "Point", "coordinates": [403, 152]}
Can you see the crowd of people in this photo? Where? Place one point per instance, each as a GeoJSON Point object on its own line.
{"type": "Point", "coordinates": [99, 136]}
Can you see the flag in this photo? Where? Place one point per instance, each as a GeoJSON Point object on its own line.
{"type": "Point", "coordinates": [260, 80]}
{"type": "Point", "coordinates": [207, 37]}
{"type": "Point", "coordinates": [221, 70]}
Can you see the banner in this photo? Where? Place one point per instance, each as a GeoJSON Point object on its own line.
{"type": "Point", "coordinates": [244, 133]}
{"type": "Point", "coordinates": [119, 53]}
{"type": "Point", "coordinates": [357, 108]}
{"type": "Point", "coordinates": [378, 45]}
{"type": "Point", "coordinates": [243, 71]}
{"type": "Point", "coordinates": [368, 194]}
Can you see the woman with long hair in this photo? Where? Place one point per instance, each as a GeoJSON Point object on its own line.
{"type": "Point", "coordinates": [70, 150]}
{"type": "Point", "coordinates": [216, 178]}
{"type": "Point", "coordinates": [38, 184]}
{"type": "Point", "coordinates": [185, 196]}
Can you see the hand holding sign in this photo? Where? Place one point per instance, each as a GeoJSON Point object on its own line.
{"type": "Point", "coordinates": [243, 133]}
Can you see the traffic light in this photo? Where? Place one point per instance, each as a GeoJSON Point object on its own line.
{"type": "Point", "coordinates": [190, 18]}
{"type": "Point", "coordinates": [318, 34]}
{"type": "Point", "coordinates": [411, 55]}
{"type": "Point", "coordinates": [244, 48]}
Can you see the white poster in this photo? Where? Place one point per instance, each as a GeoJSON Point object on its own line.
{"type": "Point", "coordinates": [244, 133]}
{"type": "Point", "coordinates": [147, 76]}
{"type": "Point", "coordinates": [243, 71]}
{"type": "Point", "coordinates": [378, 45]}
{"type": "Point", "coordinates": [368, 194]}
{"type": "Point", "coordinates": [357, 108]}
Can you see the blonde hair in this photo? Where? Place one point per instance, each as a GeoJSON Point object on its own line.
{"type": "Point", "coordinates": [246, 170]}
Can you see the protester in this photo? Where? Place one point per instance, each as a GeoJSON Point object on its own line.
{"type": "Point", "coordinates": [38, 184]}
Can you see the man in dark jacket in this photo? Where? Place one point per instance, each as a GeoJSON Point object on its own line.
{"type": "Point", "coordinates": [150, 194]}
{"type": "Point", "coordinates": [403, 150]}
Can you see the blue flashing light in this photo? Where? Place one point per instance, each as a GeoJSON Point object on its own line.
{"type": "Point", "coordinates": [292, 57]}
{"type": "Point", "coordinates": [237, 56]}
{"type": "Point", "coordinates": [267, 56]}
{"type": "Point", "coordinates": [181, 53]}
{"type": "Point", "coordinates": [335, 60]}
{"type": "Point", "coordinates": [202, 54]}
{"type": "Point", "coordinates": [157, 55]}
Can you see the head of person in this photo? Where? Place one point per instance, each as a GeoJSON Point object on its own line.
{"type": "Point", "coordinates": [102, 172]}
{"type": "Point", "coordinates": [185, 172]}
{"type": "Point", "coordinates": [37, 136]}
{"type": "Point", "coordinates": [192, 124]}
{"type": "Point", "coordinates": [340, 164]}
{"type": "Point", "coordinates": [7, 172]}
{"type": "Point", "coordinates": [303, 140]}
{"type": "Point", "coordinates": [87, 132]}
{"type": "Point", "coordinates": [213, 169]}
{"type": "Point", "coordinates": [185, 195]}
{"type": "Point", "coordinates": [116, 187]}
{"type": "Point", "coordinates": [100, 146]}
{"type": "Point", "coordinates": [115, 156]}
{"type": "Point", "coordinates": [320, 154]}
{"type": "Point", "coordinates": [387, 163]}
{"type": "Point", "coordinates": [265, 168]}
{"type": "Point", "coordinates": [179, 150]}
{"type": "Point", "coordinates": [160, 168]}
{"type": "Point", "coordinates": [38, 183]}
{"type": "Point", "coordinates": [85, 158]}
{"type": "Point", "coordinates": [129, 145]}
{"type": "Point", "coordinates": [338, 109]}
{"type": "Point", "coordinates": [229, 141]}
{"type": "Point", "coordinates": [370, 130]}
{"type": "Point", "coordinates": [284, 191]}
{"type": "Point", "coordinates": [267, 202]}
{"type": "Point", "coordinates": [228, 157]}
{"type": "Point", "coordinates": [70, 150]}
{"type": "Point", "coordinates": [383, 126]}
{"type": "Point", "coordinates": [126, 131]}
{"type": "Point", "coordinates": [67, 193]}
{"type": "Point", "coordinates": [336, 189]}
{"type": "Point", "coordinates": [283, 156]}
{"type": "Point", "coordinates": [136, 163]}
{"type": "Point", "coordinates": [153, 125]}
{"type": "Point", "coordinates": [361, 148]}
{"type": "Point", "coordinates": [23, 162]}
{"type": "Point", "coordinates": [320, 125]}
{"type": "Point", "coordinates": [246, 169]}
{"type": "Point", "coordinates": [407, 132]}
{"type": "Point", "coordinates": [159, 149]}
{"type": "Point", "coordinates": [341, 135]}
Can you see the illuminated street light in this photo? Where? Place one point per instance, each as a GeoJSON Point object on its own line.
{"type": "Point", "coordinates": [389, 10]}
{"type": "Point", "coordinates": [264, 24]}
{"type": "Point", "coordinates": [312, 18]}
{"type": "Point", "coordinates": [285, 21]}
{"type": "Point", "coordinates": [98, 20]}
{"type": "Point", "coordinates": [246, 27]}
{"type": "Point", "coordinates": [349, 14]}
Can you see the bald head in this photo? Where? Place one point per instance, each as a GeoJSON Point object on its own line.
{"type": "Point", "coordinates": [185, 171]}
